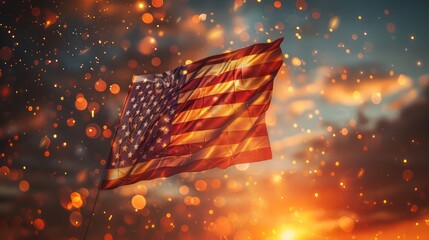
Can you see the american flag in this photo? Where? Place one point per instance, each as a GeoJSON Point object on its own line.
{"type": "Point", "coordinates": [210, 113]}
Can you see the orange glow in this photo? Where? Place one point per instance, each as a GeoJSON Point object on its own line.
{"type": "Point", "coordinates": [156, 61]}
{"type": "Point", "coordinates": [147, 18]}
{"type": "Point", "coordinates": [138, 202]}
{"type": "Point", "coordinates": [157, 3]}
{"type": "Point", "coordinates": [24, 186]}
{"type": "Point", "coordinates": [92, 130]}
{"type": "Point", "coordinates": [147, 45]}
{"type": "Point", "coordinates": [107, 133]}
{"type": "Point", "coordinates": [75, 219]}
{"type": "Point", "coordinates": [70, 122]}
{"type": "Point", "coordinates": [81, 103]}
{"type": "Point", "coordinates": [114, 88]}
{"type": "Point", "coordinates": [200, 185]}
{"type": "Point", "coordinates": [277, 4]}
{"type": "Point", "coordinates": [100, 85]}
{"type": "Point", "coordinates": [39, 224]}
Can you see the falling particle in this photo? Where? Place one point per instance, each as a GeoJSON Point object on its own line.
{"type": "Point", "coordinates": [301, 5]}
{"type": "Point", "coordinates": [100, 85]}
{"type": "Point", "coordinates": [39, 224]}
{"type": "Point", "coordinates": [75, 219]}
{"type": "Point", "coordinates": [45, 142]}
{"type": "Point", "coordinates": [93, 108]}
{"type": "Point", "coordinates": [140, 5]}
{"type": "Point", "coordinates": [76, 200]}
{"type": "Point", "coordinates": [315, 14]}
{"type": "Point", "coordinates": [35, 11]}
{"type": "Point", "coordinates": [107, 133]}
{"type": "Point", "coordinates": [138, 202]}
{"type": "Point", "coordinates": [184, 190]}
{"type": "Point", "coordinates": [70, 122]}
{"type": "Point", "coordinates": [219, 201]}
{"type": "Point", "coordinates": [92, 130]}
{"type": "Point", "coordinates": [147, 18]}
{"type": "Point", "coordinates": [156, 61]}
{"type": "Point", "coordinates": [108, 236]}
{"type": "Point", "coordinates": [157, 3]}
{"type": "Point", "coordinates": [376, 98]}
{"type": "Point", "coordinates": [361, 173]}
{"type": "Point", "coordinates": [296, 61]}
{"type": "Point", "coordinates": [407, 175]}
{"type": "Point", "coordinates": [334, 23]}
{"type": "Point", "coordinates": [114, 88]}
{"type": "Point", "coordinates": [147, 45]}
{"type": "Point", "coordinates": [344, 131]}
{"type": "Point", "coordinates": [5, 53]}
{"type": "Point", "coordinates": [24, 186]}
{"type": "Point", "coordinates": [200, 185]}
{"type": "Point", "coordinates": [81, 103]}
{"type": "Point", "coordinates": [277, 4]}
{"type": "Point", "coordinates": [390, 27]}
{"type": "Point", "coordinates": [346, 224]}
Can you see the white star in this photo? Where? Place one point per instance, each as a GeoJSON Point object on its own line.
{"type": "Point", "coordinates": [124, 126]}
{"type": "Point", "coordinates": [124, 148]}
{"type": "Point", "coordinates": [136, 146]}
{"type": "Point", "coordinates": [122, 162]}
{"type": "Point", "coordinates": [138, 87]}
{"type": "Point", "coordinates": [130, 154]}
{"type": "Point", "coordinates": [127, 133]}
{"type": "Point", "coordinates": [139, 132]}
{"type": "Point", "coordinates": [127, 113]}
{"type": "Point", "coordinates": [133, 99]}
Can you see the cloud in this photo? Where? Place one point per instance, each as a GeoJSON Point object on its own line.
{"type": "Point", "coordinates": [356, 84]}
{"type": "Point", "coordinates": [379, 174]}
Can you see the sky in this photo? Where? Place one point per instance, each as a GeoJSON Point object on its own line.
{"type": "Point", "coordinates": [347, 122]}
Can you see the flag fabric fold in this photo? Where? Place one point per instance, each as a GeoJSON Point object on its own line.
{"type": "Point", "coordinates": [208, 114]}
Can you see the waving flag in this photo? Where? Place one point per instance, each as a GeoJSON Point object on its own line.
{"type": "Point", "coordinates": [207, 114]}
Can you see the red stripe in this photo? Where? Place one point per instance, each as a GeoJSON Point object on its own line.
{"type": "Point", "coordinates": [240, 73]}
{"type": "Point", "coordinates": [222, 138]}
{"type": "Point", "coordinates": [223, 98]}
{"type": "Point", "coordinates": [217, 122]}
{"type": "Point", "coordinates": [225, 57]}
{"type": "Point", "coordinates": [195, 166]}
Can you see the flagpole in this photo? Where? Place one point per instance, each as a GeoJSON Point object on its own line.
{"type": "Point", "coordinates": [92, 212]}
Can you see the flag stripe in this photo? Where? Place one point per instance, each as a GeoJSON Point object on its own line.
{"type": "Point", "coordinates": [196, 166]}
{"type": "Point", "coordinates": [206, 135]}
{"type": "Point", "coordinates": [224, 57]}
{"type": "Point", "coordinates": [216, 122]}
{"type": "Point", "coordinates": [246, 61]}
{"type": "Point", "coordinates": [256, 70]}
{"type": "Point", "coordinates": [222, 110]}
{"type": "Point", "coordinates": [193, 145]}
{"type": "Point", "coordinates": [235, 124]}
{"type": "Point", "coordinates": [223, 98]}
{"type": "Point", "coordinates": [217, 151]}
{"type": "Point", "coordinates": [224, 87]}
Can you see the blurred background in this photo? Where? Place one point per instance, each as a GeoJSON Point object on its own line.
{"type": "Point", "coordinates": [348, 122]}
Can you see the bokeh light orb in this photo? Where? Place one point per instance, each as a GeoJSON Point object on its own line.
{"type": "Point", "coordinates": [138, 202]}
